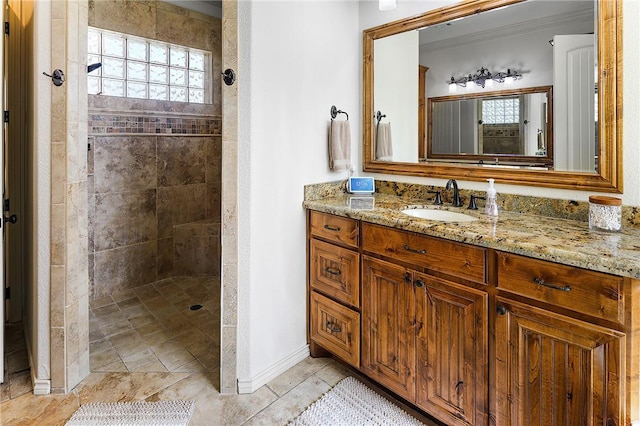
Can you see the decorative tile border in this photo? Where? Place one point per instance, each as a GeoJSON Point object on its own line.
{"type": "Point", "coordinates": [136, 124]}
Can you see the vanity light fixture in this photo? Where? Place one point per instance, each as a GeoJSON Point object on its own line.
{"type": "Point", "coordinates": [386, 4]}
{"type": "Point", "coordinates": [484, 78]}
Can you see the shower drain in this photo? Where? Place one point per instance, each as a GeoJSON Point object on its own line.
{"type": "Point", "coordinates": [195, 307]}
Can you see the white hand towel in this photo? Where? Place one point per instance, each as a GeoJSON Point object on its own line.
{"type": "Point", "coordinates": [384, 147]}
{"type": "Point", "coordinates": [339, 146]}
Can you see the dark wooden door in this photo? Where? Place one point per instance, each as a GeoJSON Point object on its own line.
{"type": "Point", "coordinates": [554, 370]}
{"type": "Point", "coordinates": [452, 351]}
{"type": "Point", "coordinates": [388, 325]}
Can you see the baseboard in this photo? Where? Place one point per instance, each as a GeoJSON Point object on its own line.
{"type": "Point", "coordinates": [253, 384]}
{"type": "Point", "coordinates": [40, 386]}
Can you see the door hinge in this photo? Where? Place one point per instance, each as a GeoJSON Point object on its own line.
{"type": "Point", "coordinates": [7, 204]}
{"type": "Point", "coordinates": [6, 28]}
{"type": "Point", "coordinates": [6, 116]}
{"type": "Point", "coordinates": [7, 293]}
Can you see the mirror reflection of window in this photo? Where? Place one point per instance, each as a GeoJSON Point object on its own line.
{"type": "Point", "coordinates": [501, 111]}
{"type": "Point", "coordinates": [500, 126]}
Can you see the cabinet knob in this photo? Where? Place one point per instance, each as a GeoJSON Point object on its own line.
{"type": "Point", "coordinates": [419, 283]}
{"type": "Point", "coordinates": [501, 310]}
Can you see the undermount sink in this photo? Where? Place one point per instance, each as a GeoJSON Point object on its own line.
{"type": "Point", "coordinates": [439, 215]}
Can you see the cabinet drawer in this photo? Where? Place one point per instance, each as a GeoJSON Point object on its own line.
{"type": "Point", "coordinates": [452, 258]}
{"type": "Point", "coordinates": [588, 292]}
{"type": "Point", "coordinates": [336, 328]}
{"type": "Point", "coordinates": [335, 271]}
{"type": "Point", "coordinates": [335, 228]}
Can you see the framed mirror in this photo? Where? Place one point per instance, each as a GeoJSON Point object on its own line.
{"type": "Point", "coordinates": [507, 127]}
{"type": "Point", "coordinates": [574, 134]}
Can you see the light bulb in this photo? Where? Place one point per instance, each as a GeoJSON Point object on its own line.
{"type": "Point", "coordinates": [386, 4]}
{"type": "Point", "coordinates": [488, 83]}
{"type": "Point", "coordinates": [452, 87]}
{"type": "Point", "coordinates": [470, 85]}
{"type": "Point", "coordinates": [509, 79]}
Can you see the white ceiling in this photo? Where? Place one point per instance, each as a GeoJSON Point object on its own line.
{"type": "Point", "coordinates": [515, 18]}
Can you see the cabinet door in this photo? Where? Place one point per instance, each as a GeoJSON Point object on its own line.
{"type": "Point", "coordinates": [555, 370]}
{"type": "Point", "coordinates": [388, 326]}
{"type": "Point", "coordinates": [452, 351]}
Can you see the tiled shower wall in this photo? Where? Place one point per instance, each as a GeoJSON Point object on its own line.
{"type": "Point", "coordinates": [152, 164]}
{"type": "Point", "coordinates": [69, 315]}
{"type": "Point", "coordinates": [142, 183]}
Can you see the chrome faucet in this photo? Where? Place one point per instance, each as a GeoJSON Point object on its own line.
{"type": "Point", "coordinates": [456, 195]}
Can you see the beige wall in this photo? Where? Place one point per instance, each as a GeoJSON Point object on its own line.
{"type": "Point", "coordinates": [69, 314]}
{"type": "Point", "coordinates": [230, 172]}
{"type": "Point", "coordinates": [37, 326]}
{"type": "Point", "coordinates": [153, 165]}
{"type": "Point", "coordinates": [165, 22]}
{"type": "Point", "coordinates": [151, 171]}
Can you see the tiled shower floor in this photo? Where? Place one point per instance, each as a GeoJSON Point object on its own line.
{"type": "Point", "coordinates": [153, 328]}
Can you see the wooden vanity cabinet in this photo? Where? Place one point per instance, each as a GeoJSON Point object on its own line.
{"type": "Point", "coordinates": [452, 347]}
{"type": "Point", "coordinates": [556, 368]}
{"type": "Point", "coordinates": [334, 281]}
{"type": "Point", "coordinates": [389, 325]}
{"type": "Point", "coordinates": [559, 345]}
{"type": "Point", "coordinates": [425, 337]}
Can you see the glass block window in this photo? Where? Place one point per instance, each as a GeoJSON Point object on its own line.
{"type": "Point", "coordinates": [501, 111]}
{"type": "Point", "coordinates": [133, 67]}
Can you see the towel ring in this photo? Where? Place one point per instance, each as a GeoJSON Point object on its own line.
{"type": "Point", "coordinates": [335, 111]}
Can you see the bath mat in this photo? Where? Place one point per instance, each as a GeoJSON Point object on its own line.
{"type": "Point", "coordinates": [161, 413]}
{"type": "Point", "coordinates": [350, 402]}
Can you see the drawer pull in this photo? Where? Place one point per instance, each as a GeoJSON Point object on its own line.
{"type": "Point", "coordinates": [412, 250]}
{"type": "Point", "coordinates": [555, 287]}
{"type": "Point", "coordinates": [332, 228]}
{"type": "Point", "coordinates": [333, 328]}
{"type": "Point", "coordinates": [332, 271]}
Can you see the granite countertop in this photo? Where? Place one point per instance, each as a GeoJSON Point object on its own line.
{"type": "Point", "coordinates": [565, 241]}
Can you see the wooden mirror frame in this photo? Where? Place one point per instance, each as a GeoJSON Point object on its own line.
{"type": "Point", "coordinates": [546, 160]}
{"type": "Point", "coordinates": [609, 175]}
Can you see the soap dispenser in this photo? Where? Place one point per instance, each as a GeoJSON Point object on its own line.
{"type": "Point", "coordinates": [491, 207]}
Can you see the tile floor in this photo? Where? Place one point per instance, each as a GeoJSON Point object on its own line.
{"type": "Point", "coordinates": [153, 328]}
{"type": "Point", "coordinates": [275, 403]}
{"type": "Point", "coordinates": [17, 374]}
{"type": "Point", "coordinates": [133, 357]}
